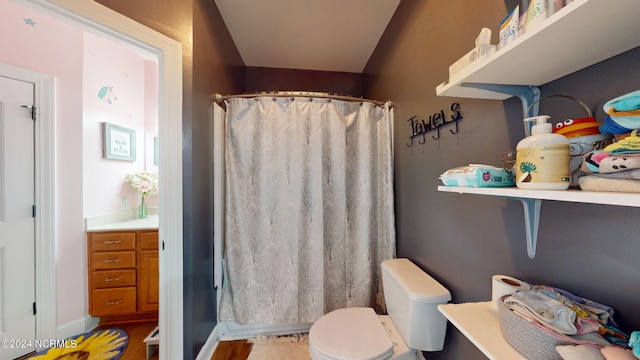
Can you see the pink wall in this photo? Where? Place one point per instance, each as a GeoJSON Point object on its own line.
{"type": "Point", "coordinates": [151, 105]}
{"type": "Point", "coordinates": [51, 47]}
{"type": "Point", "coordinates": [109, 64]}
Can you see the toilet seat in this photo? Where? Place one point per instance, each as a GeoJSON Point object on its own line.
{"type": "Point", "coordinates": [351, 333]}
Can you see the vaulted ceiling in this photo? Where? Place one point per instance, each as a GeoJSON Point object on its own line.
{"type": "Point", "coordinates": [326, 35]}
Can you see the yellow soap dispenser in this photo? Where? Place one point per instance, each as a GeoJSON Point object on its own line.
{"type": "Point", "coordinates": [542, 159]}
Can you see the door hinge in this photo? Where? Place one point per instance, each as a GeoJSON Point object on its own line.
{"type": "Point", "coordinates": [33, 211]}
{"type": "Point", "coordinates": [35, 311]}
{"type": "Point", "coordinates": [33, 111]}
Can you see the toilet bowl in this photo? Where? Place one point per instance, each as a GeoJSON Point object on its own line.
{"type": "Point", "coordinates": [413, 323]}
{"type": "Point", "coordinates": [357, 333]}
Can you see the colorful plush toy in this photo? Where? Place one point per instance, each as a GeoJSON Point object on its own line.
{"type": "Point", "coordinates": [578, 127]}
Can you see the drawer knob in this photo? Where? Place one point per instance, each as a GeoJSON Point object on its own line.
{"type": "Point", "coordinates": [113, 302]}
{"type": "Point", "coordinates": [112, 242]}
{"type": "Point", "coordinates": [112, 279]}
{"type": "Point", "coordinates": [109, 261]}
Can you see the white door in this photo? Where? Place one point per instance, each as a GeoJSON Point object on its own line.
{"type": "Point", "coordinates": [17, 222]}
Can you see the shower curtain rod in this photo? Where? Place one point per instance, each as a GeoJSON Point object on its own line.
{"type": "Point", "coordinates": [221, 98]}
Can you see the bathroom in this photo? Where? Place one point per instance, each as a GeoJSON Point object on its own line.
{"type": "Point", "coordinates": [589, 249]}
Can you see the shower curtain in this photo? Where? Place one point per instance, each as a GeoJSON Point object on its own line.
{"type": "Point", "coordinates": [309, 207]}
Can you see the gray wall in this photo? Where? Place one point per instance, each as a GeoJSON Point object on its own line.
{"type": "Point", "coordinates": [211, 64]}
{"type": "Point", "coordinates": [462, 240]}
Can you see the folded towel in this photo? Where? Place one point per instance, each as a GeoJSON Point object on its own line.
{"type": "Point", "coordinates": [606, 163]}
{"type": "Point", "coordinates": [599, 183]}
{"type": "Point", "coordinates": [609, 126]}
{"type": "Point", "coordinates": [626, 121]}
{"type": "Point", "coordinates": [545, 310]}
{"type": "Point", "coordinates": [593, 318]}
{"type": "Point", "coordinates": [634, 343]}
{"type": "Point", "coordinates": [629, 175]}
{"type": "Point", "coordinates": [624, 110]}
{"type": "Point", "coordinates": [626, 102]}
{"type": "Point", "coordinates": [628, 145]}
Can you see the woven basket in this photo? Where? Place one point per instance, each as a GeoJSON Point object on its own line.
{"type": "Point", "coordinates": [530, 339]}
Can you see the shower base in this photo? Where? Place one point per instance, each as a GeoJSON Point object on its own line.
{"type": "Point", "coordinates": [229, 330]}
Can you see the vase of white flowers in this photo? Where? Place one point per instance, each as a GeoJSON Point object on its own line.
{"type": "Point", "coordinates": [145, 183]}
{"type": "Point", "coordinates": [142, 209]}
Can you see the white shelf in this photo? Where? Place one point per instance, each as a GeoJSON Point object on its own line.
{"type": "Point", "coordinates": [480, 323]}
{"type": "Point", "coordinates": [579, 196]}
{"type": "Point", "coordinates": [532, 201]}
{"type": "Point", "coordinates": [579, 35]}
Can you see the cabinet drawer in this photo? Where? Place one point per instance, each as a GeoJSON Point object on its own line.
{"type": "Point", "coordinates": [113, 278]}
{"type": "Point", "coordinates": [149, 240]}
{"type": "Point", "coordinates": [113, 301]}
{"type": "Point", "coordinates": [113, 241]}
{"type": "Point", "coordinates": [113, 260]}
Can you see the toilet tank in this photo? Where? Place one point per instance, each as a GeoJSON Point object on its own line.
{"type": "Point", "coordinates": [412, 298]}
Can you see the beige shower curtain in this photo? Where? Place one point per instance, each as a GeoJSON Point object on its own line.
{"type": "Point", "coordinates": [309, 207]}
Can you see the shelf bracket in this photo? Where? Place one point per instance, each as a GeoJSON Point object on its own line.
{"type": "Point", "coordinates": [531, 222]}
{"type": "Point", "coordinates": [529, 95]}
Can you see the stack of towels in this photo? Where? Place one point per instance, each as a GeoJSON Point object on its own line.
{"type": "Point", "coordinates": [617, 166]}
{"type": "Point", "coordinates": [589, 323]}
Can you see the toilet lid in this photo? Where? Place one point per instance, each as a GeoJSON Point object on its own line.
{"type": "Point", "coordinates": [352, 333]}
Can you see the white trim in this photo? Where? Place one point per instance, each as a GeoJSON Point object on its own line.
{"type": "Point", "coordinates": [209, 346]}
{"type": "Point", "coordinates": [46, 205]}
{"type": "Point", "coordinates": [219, 127]}
{"type": "Point", "coordinates": [102, 19]}
{"type": "Point", "coordinates": [44, 142]}
{"type": "Point", "coordinates": [76, 327]}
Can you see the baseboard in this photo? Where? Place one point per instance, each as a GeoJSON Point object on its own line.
{"type": "Point", "coordinates": [76, 327]}
{"type": "Point", "coordinates": [209, 346]}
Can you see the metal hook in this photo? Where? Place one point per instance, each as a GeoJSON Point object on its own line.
{"type": "Point", "coordinates": [455, 132]}
{"type": "Point", "coordinates": [410, 144]}
{"type": "Point", "coordinates": [438, 130]}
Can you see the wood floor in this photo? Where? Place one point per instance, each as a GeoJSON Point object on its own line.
{"type": "Point", "coordinates": [137, 349]}
{"type": "Point", "coordinates": [232, 350]}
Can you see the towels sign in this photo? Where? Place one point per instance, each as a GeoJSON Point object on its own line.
{"type": "Point", "coordinates": [420, 127]}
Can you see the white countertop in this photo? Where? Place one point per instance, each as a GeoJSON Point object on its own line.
{"type": "Point", "coordinates": [114, 223]}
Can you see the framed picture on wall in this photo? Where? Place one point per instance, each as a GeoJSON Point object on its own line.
{"type": "Point", "coordinates": [119, 142]}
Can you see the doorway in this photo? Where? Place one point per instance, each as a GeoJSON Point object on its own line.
{"type": "Point", "coordinates": [99, 19]}
{"type": "Point", "coordinates": [39, 207]}
{"type": "Point", "coordinates": [17, 215]}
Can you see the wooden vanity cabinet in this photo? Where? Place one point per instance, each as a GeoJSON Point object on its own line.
{"type": "Point", "coordinates": [123, 275]}
{"type": "Point", "coordinates": [148, 286]}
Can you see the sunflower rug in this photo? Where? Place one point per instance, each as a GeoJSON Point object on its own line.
{"type": "Point", "coordinates": [95, 345]}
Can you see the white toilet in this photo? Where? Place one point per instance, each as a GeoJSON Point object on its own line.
{"type": "Point", "coordinates": [414, 323]}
